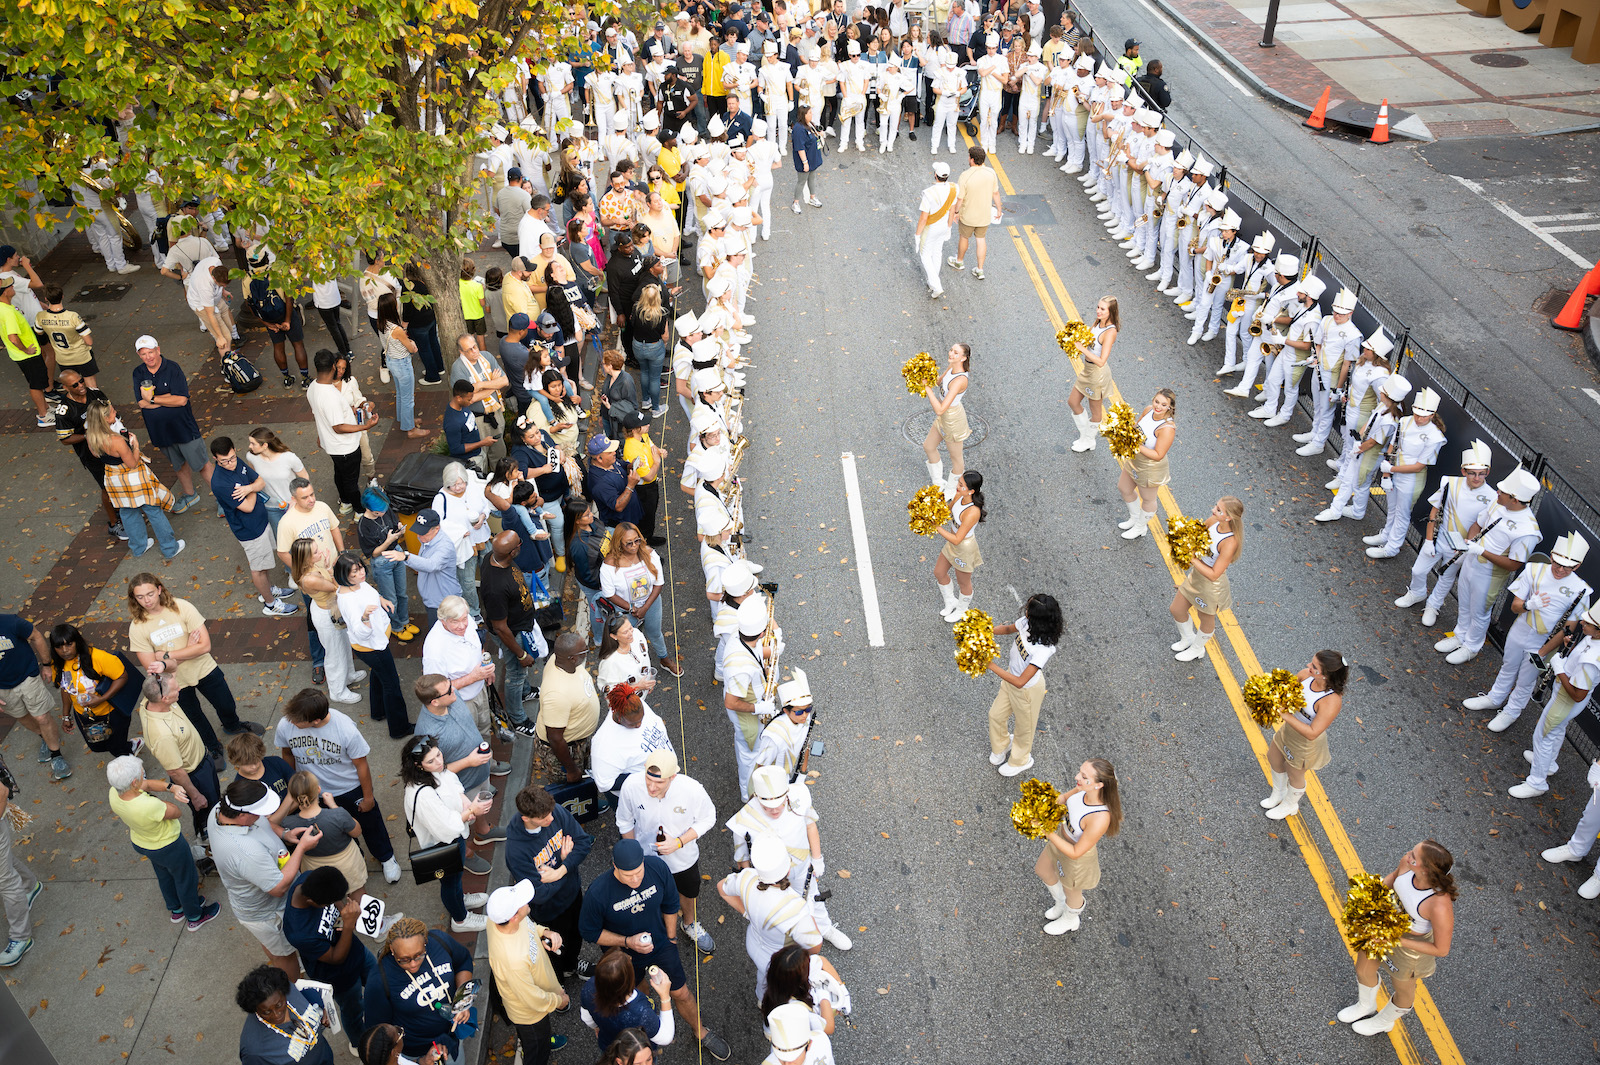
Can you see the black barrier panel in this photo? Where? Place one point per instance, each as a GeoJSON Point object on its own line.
{"type": "Point", "coordinates": [1362, 318]}
{"type": "Point", "coordinates": [1252, 223]}
{"type": "Point", "coordinates": [1492, 427]}
{"type": "Point", "coordinates": [1557, 517]}
{"type": "Point", "coordinates": [1282, 224]}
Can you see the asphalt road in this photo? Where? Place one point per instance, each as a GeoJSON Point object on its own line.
{"type": "Point", "coordinates": [1208, 936]}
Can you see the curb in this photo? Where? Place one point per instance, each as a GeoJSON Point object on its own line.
{"type": "Point", "coordinates": [1233, 63]}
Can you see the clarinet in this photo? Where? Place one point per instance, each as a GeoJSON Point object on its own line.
{"type": "Point", "coordinates": [1545, 664]}
{"type": "Point", "coordinates": [805, 745]}
{"type": "Point", "coordinates": [1458, 554]}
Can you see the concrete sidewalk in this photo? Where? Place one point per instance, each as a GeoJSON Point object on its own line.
{"type": "Point", "coordinates": [1461, 74]}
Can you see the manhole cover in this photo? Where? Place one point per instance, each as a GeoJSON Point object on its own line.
{"type": "Point", "coordinates": [1551, 302]}
{"type": "Point", "coordinates": [107, 293]}
{"type": "Point", "coordinates": [1031, 210]}
{"type": "Point", "coordinates": [1499, 59]}
{"type": "Point", "coordinates": [915, 428]}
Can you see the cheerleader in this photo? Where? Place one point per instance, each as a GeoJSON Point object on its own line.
{"type": "Point", "coordinates": [1069, 865]}
{"type": "Point", "coordinates": [1145, 473]}
{"type": "Point", "coordinates": [1359, 461]}
{"type": "Point", "coordinates": [961, 546]}
{"type": "Point", "coordinates": [1022, 687]}
{"type": "Point", "coordinates": [1094, 375]}
{"type": "Point", "coordinates": [1301, 743]}
{"type": "Point", "coordinates": [1427, 892]}
{"type": "Point", "coordinates": [1205, 587]}
{"type": "Point", "coordinates": [949, 418]}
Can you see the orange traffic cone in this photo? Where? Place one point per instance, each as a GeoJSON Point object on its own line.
{"type": "Point", "coordinates": [1380, 132]}
{"type": "Point", "coordinates": [1319, 112]}
{"type": "Point", "coordinates": [1571, 316]}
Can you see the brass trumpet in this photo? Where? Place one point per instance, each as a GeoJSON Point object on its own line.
{"type": "Point", "coordinates": [1255, 328]}
{"type": "Point", "coordinates": [1183, 221]}
{"type": "Point", "coordinates": [1270, 350]}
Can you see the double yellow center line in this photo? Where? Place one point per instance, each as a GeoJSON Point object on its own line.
{"type": "Point", "coordinates": [1036, 261]}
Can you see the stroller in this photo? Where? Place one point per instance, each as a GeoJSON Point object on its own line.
{"type": "Point", "coordinates": [967, 109]}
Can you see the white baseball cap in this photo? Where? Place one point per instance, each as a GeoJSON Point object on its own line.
{"type": "Point", "coordinates": [505, 902]}
{"type": "Point", "coordinates": [941, 170]}
{"type": "Point", "coordinates": [146, 341]}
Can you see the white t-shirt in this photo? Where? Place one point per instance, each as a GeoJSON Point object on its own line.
{"type": "Point", "coordinates": [933, 198]}
{"type": "Point", "coordinates": [326, 751]}
{"type": "Point", "coordinates": [200, 288]}
{"type": "Point", "coordinates": [685, 805]}
{"type": "Point", "coordinates": [1025, 654]}
{"type": "Point", "coordinates": [632, 583]}
{"type": "Point", "coordinates": [277, 471]}
{"type": "Point", "coordinates": [330, 408]}
{"type": "Point", "coordinates": [325, 295]}
{"type": "Point", "coordinates": [24, 300]}
{"type": "Point", "coordinates": [616, 749]}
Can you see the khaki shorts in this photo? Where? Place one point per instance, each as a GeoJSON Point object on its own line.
{"type": "Point", "coordinates": [31, 698]}
{"type": "Point", "coordinates": [259, 553]}
{"type": "Point", "coordinates": [270, 935]}
{"type": "Point", "coordinates": [974, 231]}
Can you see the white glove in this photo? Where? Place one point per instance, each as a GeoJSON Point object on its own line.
{"type": "Point", "coordinates": [1386, 466]}
{"type": "Point", "coordinates": [816, 866]}
{"type": "Point", "coordinates": [1594, 774]}
{"type": "Point", "coordinates": [1475, 549]}
{"type": "Point", "coordinates": [766, 707]}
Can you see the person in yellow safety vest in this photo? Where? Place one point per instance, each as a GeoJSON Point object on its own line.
{"type": "Point", "coordinates": [1129, 61]}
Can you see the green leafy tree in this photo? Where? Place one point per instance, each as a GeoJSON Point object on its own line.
{"type": "Point", "coordinates": [340, 126]}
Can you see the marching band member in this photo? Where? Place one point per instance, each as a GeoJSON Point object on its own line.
{"type": "Point", "coordinates": [949, 418]}
{"type": "Point", "coordinates": [1069, 865]}
{"type": "Point", "coordinates": [1180, 187]}
{"type": "Point", "coordinates": [1157, 176]}
{"type": "Point", "coordinates": [1022, 686]}
{"type": "Point", "coordinates": [1060, 109]}
{"type": "Point", "coordinates": [1285, 274]}
{"type": "Point", "coordinates": [1186, 216]}
{"type": "Point", "coordinates": [738, 582]}
{"type": "Point", "coordinates": [1576, 673]}
{"type": "Point", "coordinates": [1339, 342]}
{"type": "Point", "coordinates": [1583, 837]}
{"type": "Point", "coordinates": [1545, 597]}
{"type": "Point", "coordinates": [895, 83]}
{"type": "Point", "coordinates": [715, 526]}
{"type": "Point", "coordinates": [629, 88]}
{"type": "Point", "coordinates": [783, 741]}
{"type": "Point", "coordinates": [946, 84]}
{"type": "Point", "coordinates": [746, 671]}
{"type": "Point", "coordinates": [1093, 380]}
{"type": "Point", "coordinates": [1225, 256]}
{"type": "Point", "coordinates": [854, 77]}
{"type": "Point", "coordinates": [1138, 147]}
{"type": "Point", "coordinates": [1206, 224]}
{"type": "Point", "coordinates": [1359, 461]}
{"type": "Point", "coordinates": [1145, 473]}
{"type": "Point", "coordinates": [1300, 744]}
{"type": "Point", "coordinates": [784, 811]}
{"type": "Point", "coordinates": [1413, 448]}
{"type": "Point", "coordinates": [1499, 543]}
{"type": "Point", "coordinates": [1099, 103]}
{"type": "Point", "coordinates": [960, 551]}
{"type": "Point", "coordinates": [1457, 506]}
{"type": "Point", "coordinates": [1032, 74]}
{"type": "Point", "coordinates": [765, 158]}
{"type": "Point", "coordinates": [739, 77]}
{"type": "Point", "coordinates": [775, 913]}
{"type": "Point", "coordinates": [685, 361]}
{"type": "Point", "coordinates": [992, 73]}
{"type": "Point", "coordinates": [1205, 587]}
{"type": "Point", "coordinates": [1109, 189]}
{"type": "Point", "coordinates": [1427, 892]}
{"type": "Point", "coordinates": [1076, 121]}
{"type": "Point", "coordinates": [777, 91]}
{"type": "Point", "coordinates": [1302, 322]}
{"type": "Point", "coordinates": [1258, 273]}
{"type": "Point", "coordinates": [1360, 394]}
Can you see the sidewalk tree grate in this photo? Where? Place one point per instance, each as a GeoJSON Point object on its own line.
{"type": "Point", "coordinates": [107, 293]}
{"type": "Point", "coordinates": [1504, 60]}
{"type": "Point", "coordinates": [915, 428]}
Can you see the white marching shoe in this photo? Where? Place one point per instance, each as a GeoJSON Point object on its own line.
{"type": "Point", "coordinates": [1140, 527]}
{"type": "Point", "coordinates": [1461, 656]}
{"type": "Point", "coordinates": [1331, 514]}
{"type": "Point", "coordinates": [1058, 893]}
{"type": "Point", "coordinates": [1241, 391]}
{"type": "Point", "coordinates": [1276, 420]}
{"type": "Point", "coordinates": [1366, 1004]}
{"type": "Point", "coordinates": [948, 593]}
{"type": "Point", "coordinates": [1410, 599]}
{"type": "Point", "coordinates": [1590, 888]}
{"type": "Point", "coordinates": [837, 938]}
{"type": "Point", "coordinates": [1429, 616]}
{"type": "Point", "coordinates": [935, 472]}
{"type": "Point", "coordinates": [1332, 485]}
{"type": "Point", "coordinates": [1067, 922]}
{"type": "Point", "coordinates": [1280, 788]}
{"type": "Point", "coordinates": [1385, 1021]}
{"type": "Point", "coordinates": [1186, 634]}
{"type": "Point", "coordinates": [1144, 262]}
{"type": "Point", "coordinates": [1156, 277]}
{"type": "Point", "coordinates": [1504, 720]}
{"type": "Point", "coordinates": [1135, 511]}
{"type": "Point", "coordinates": [1088, 432]}
{"type": "Point", "coordinates": [1196, 648]}
{"type": "Point", "coordinates": [1448, 644]}
{"type": "Point", "coordinates": [1555, 855]}
{"type": "Point", "coordinates": [1313, 448]}
{"type": "Point", "coordinates": [1289, 806]}
{"type": "Point", "coordinates": [1301, 438]}
{"type": "Point", "coordinates": [1375, 540]}
{"type": "Point", "coordinates": [1262, 412]}
{"type": "Point", "coordinates": [953, 615]}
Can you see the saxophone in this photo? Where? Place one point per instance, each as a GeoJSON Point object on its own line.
{"type": "Point", "coordinates": [1216, 279]}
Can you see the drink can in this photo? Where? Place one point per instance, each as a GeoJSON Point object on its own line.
{"type": "Point", "coordinates": [649, 942]}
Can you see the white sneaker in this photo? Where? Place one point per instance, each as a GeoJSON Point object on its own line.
{"type": "Point", "coordinates": [837, 938]}
{"type": "Point", "coordinates": [1000, 759]}
{"type": "Point", "coordinates": [1526, 791]}
{"type": "Point", "coordinates": [1409, 599]}
{"type": "Point", "coordinates": [1276, 420]}
{"type": "Point", "coordinates": [1381, 552]}
{"type": "Point", "coordinates": [1225, 370]}
{"type": "Point", "coordinates": [1210, 335]}
{"type": "Point", "coordinates": [475, 922]}
{"type": "Point", "coordinates": [1332, 464]}
{"type": "Point", "coordinates": [1429, 616]}
{"type": "Point", "coordinates": [1333, 485]}
{"type": "Point", "coordinates": [391, 871]}
{"type": "Point", "coordinates": [1262, 412]}
{"type": "Point", "coordinates": [1448, 644]}
{"type": "Point", "coordinates": [130, 268]}
{"type": "Point", "coordinates": [1502, 721]}
{"type": "Point", "coordinates": [1144, 262]}
{"type": "Point", "coordinates": [1155, 277]}
{"type": "Point", "coordinates": [1301, 438]}
{"type": "Point", "coordinates": [1461, 656]}
{"type": "Point", "coordinates": [475, 899]}
{"type": "Point", "coordinates": [1331, 514]}
{"type": "Point", "coordinates": [1312, 448]}
{"type": "Point", "coordinates": [1560, 854]}
{"type": "Point", "coordinates": [1590, 888]}
{"type": "Point", "coordinates": [1009, 770]}
{"type": "Point", "coordinates": [1239, 391]}
{"type": "Point", "coordinates": [1374, 540]}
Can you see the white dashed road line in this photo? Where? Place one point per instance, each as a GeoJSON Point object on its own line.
{"type": "Point", "coordinates": [858, 532]}
{"type": "Point", "coordinates": [1531, 224]}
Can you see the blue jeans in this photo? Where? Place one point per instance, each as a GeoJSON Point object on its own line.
{"type": "Point", "coordinates": [274, 515]}
{"type": "Point", "coordinates": [555, 520]}
{"type": "Point", "coordinates": [177, 877]}
{"type": "Point", "coordinates": [352, 1000]}
{"type": "Point", "coordinates": [650, 357]}
{"type": "Point", "coordinates": [133, 519]}
{"type": "Point", "coordinates": [455, 902]}
{"type": "Point", "coordinates": [596, 622]}
{"type": "Point", "coordinates": [426, 338]}
{"type": "Point", "coordinates": [651, 625]}
{"type": "Point", "coordinates": [517, 686]}
{"type": "Point", "coordinates": [467, 577]}
{"type": "Point", "coordinates": [404, 378]}
{"type": "Point", "coordinates": [390, 578]}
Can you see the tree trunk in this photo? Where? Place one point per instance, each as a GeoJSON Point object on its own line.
{"type": "Point", "coordinates": [442, 271]}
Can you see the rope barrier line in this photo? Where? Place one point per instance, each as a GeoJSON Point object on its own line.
{"type": "Point", "coordinates": [1425, 1010]}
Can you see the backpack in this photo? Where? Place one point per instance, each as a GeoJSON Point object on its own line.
{"type": "Point", "coordinates": [242, 376]}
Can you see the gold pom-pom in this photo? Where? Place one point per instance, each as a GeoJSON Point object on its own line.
{"type": "Point", "coordinates": [1037, 813]}
{"type": "Point", "coordinates": [1269, 696]}
{"type": "Point", "coordinates": [921, 373]}
{"type": "Point", "coordinates": [1187, 538]}
{"type": "Point", "coordinates": [1121, 430]}
{"type": "Point", "coordinates": [1073, 338]}
{"type": "Point", "coordinates": [1373, 918]}
{"type": "Point", "coordinates": [928, 510]}
{"type": "Point", "coordinates": [975, 646]}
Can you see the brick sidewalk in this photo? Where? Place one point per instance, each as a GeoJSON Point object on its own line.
{"type": "Point", "coordinates": [1461, 74]}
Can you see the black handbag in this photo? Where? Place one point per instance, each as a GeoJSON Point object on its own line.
{"type": "Point", "coordinates": [436, 862]}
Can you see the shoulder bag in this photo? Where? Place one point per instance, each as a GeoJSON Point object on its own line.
{"type": "Point", "coordinates": [436, 862]}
